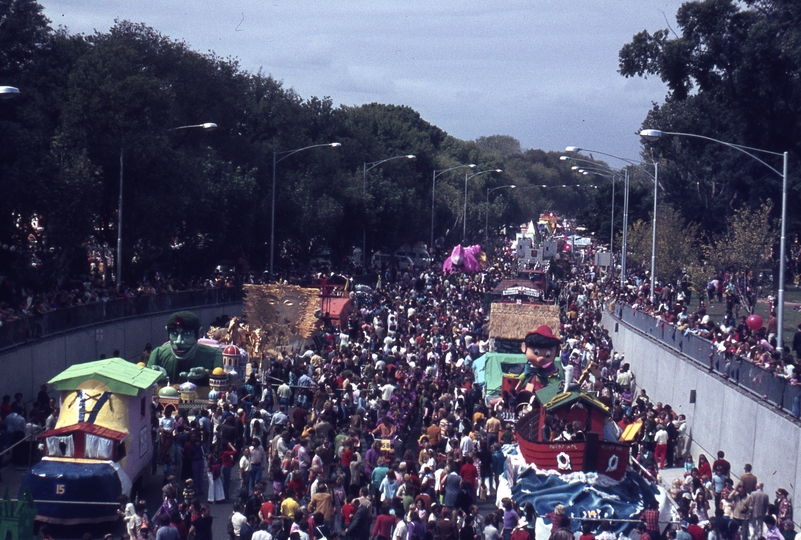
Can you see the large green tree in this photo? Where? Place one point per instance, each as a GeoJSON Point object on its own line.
{"type": "Point", "coordinates": [193, 198]}
{"type": "Point", "coordinates": [677, 244]}
{"type": "Point", "coordinates": [733, 73]}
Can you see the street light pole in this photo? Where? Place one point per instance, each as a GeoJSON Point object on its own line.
{"type": "Point", "coordinates": [655, 178]}
{"type": "Point", "coordinates": [624, 247]}
{"type": "Point", "coordinates": [276, 160]}
{"type": "Point", "coordinates": [653, 234]}
{"type": "Point", "coordinates": [607, 172]}
{"type": "Point", "coordinates": [654, 134]}
{"type": "Point", "coordinates": [366, 167]}
{"type": "Point", "coordinates": [486, 214]}
{"type": "Point", "coordinates": [208, 126]}
{"type": "Point", "coordinates": [467, 177]}
{"type": "Point", "coordinates": [434, 193]}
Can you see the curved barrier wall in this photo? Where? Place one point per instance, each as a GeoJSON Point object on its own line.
{"type": "Point", "coordinates": [722, 414]}
{"type": "Point", "coordinates": [29, 364]}
{"type": "Point", "coordinates": [750, 377]}
{"type": "Point", "coordinates": [33, 327]}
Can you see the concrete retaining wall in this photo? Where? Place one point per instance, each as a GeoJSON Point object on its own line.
{"type": "Point", "coordinates": [26, 367]}
{"type": "Point", "coordinates": [723, 417]}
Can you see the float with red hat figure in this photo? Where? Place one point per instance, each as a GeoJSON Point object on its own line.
{"type": "Point", "coordinates": [192, 368]}
{"type": "Point", "coordinates": [551, 399]}
{"type": "Point", "coordinates": [184, 356]}
{"type": "Point", "coordinates": [565, 452]}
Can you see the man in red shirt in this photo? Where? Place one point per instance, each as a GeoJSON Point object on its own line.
{"type": "Point", "coordinates": [720, 462]}
{"type": "Point", "coordinates": [469, 474]}
{"type": "Point", "coordinates": [347, 454]}
{"type": "Point", "coordinates": [650, 517]}
{"type": "Point", "coordinates": [694, 530]}
{"type": "Point", "coordinates": [268, 509]}
{"type": "Point", "coordinates": [227, 461]}
{"type": "Point", "coordinates": [348, 511]}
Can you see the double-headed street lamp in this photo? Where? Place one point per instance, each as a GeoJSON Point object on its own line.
{"type": "Point", "coordinates": [601, 169]}
{"type": "Point", "coordinates": [654, 134]}
{"type": "Point", "coordinates": [486, 214]}
{"type": "Point", "coordinates": [368, 165]}
{"type": "Point", "coordinates": [208, 126]}
{"type": "Point", "coordinates": [438, 172]}
{"type": "Point", "coordinates": [608, 174]}
{"type": "Point", "coordinates": [655, 178]}
{"type": "Point", "coordinates": [604, 171]}
{"type": "Point", "coordinates": [285, 154]}
{"type": "Point", "coordinates": [468, 176]}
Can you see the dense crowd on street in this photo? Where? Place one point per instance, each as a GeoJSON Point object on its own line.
{"type": "Point", "coordinates": [381, 433]}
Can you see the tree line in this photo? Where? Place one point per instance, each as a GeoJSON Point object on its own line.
{"type": "Point", "coordinates": [193, 198]}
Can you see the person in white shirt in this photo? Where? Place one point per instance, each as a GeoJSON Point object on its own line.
{"type": "Point", "coordinates": [238, 519]}
{"type": "Point", "coordinates": [661, 441]}
{"type": "Point", "coordinates": [466, 445]}
{"type": "Point", "coordinates": [401, 530]}
{"type": "Point", "coordinates": [263, 533]}
{"type": "Point", "coordinates": [167, 422]}
{"type": "Point", "coordinates": [51, 421]}
{"type": "Point", "coordinates": [244, 468]}
{"type": "Point", "coordinates": [386, 391]}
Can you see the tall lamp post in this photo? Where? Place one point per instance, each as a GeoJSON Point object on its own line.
{"type": "Point", "coordinates": [624, 174]}
{"type": "Point", "coordinates": [368, 165]}
{"type": "Point", "coordinates": [597, 169]}
{"type": "Point", "coordinates": [611, 177]}
{"type": "Point", "coordinates": [486, 214]}
{"type": "Point", "coordinates": [276, 160]}
{"type": "Point", "coordinates": [438, 172]}
{"type": "Point", "coordinates": [624, 240]}
{"type": "Point", "coordinates": [654, 134]}
{"type": "Point", "coordinates": [208, 126]}
{"type": "Point", "coordinates": [468, 176]}
{"type": "Point", "coordinates": [655, 178]}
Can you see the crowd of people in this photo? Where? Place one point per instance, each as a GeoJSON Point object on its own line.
{"type": "Point", "coordinates": [736, 338]}
{"type": "Point", "coordinates": [381, 433]}
{"type": "Point", "coordinates": [710, 502]}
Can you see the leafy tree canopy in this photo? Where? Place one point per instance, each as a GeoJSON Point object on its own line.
{"type": "Point", "coordinates": [733, 73]}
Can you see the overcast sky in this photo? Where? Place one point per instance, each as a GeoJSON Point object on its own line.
{"type": "Point", "coordinates": [542, 71]}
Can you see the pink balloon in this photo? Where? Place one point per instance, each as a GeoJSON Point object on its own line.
{"type": "Point", "coordinates": [754, 322]}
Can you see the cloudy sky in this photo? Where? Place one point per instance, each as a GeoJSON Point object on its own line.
{"type": "Point", "coordinates": [542, 71]}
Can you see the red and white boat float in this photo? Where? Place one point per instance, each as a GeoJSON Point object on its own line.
{"type": "Point", "coordinates": [587, 451]}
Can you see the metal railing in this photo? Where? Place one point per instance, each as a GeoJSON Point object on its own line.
{"type": "Point", "coordinates": [751, 377]}
{"type": "Point", "coordinates": [28, 439]}
{"type": "Point", "coordinates": [32, 327]}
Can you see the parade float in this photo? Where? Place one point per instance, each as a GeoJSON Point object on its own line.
{"type": "Point", "coordinates": [468, 260]}
{"type": "Point", "coordinates": [280, 317]}
{"type": "Point", "coordinates": [588, 452]}
{"type": "Point", "coordinates": [101, 446]}
{"type": "Point", "coordinates": [588, 471]}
